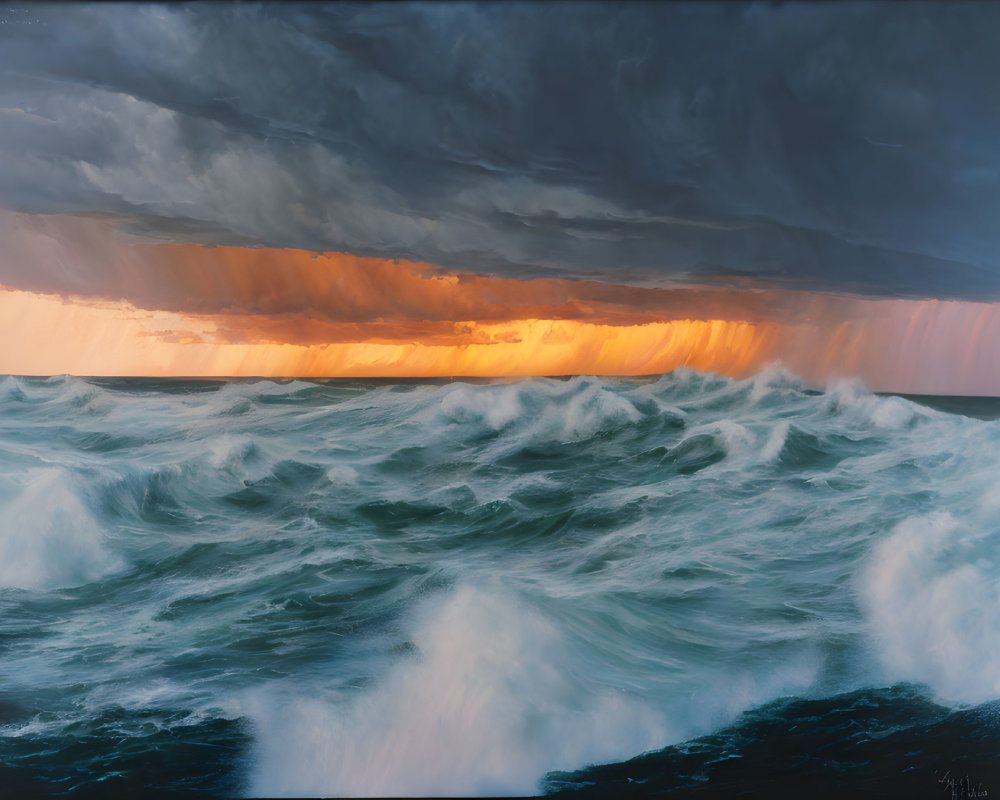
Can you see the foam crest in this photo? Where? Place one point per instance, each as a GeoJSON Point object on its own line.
{"type": "Point", "coordinates": [773, 379]}
{"type": "Point", "coordinates": [49, 539]}
{"type": "Point", "coordinates": [239, 397]}
{"type": "Point", "coordinates": [80, 395]}
{"type": "Point", "coordinates": [733, 436]}
{"type": "Point", "coordinates": [775, 442]}
{"type": "Point", "coordinates": [489, 706]}
{"type": "Point", "coordinates": [543, 409]}
{"type": "Point", "coordinates": [273, 388]}
{"type": "Point", "coordinates": [232, 452]}
{"type": "Point", "coordinates": [932, 597]}
{"type": "Point", "coordinates": [594, 409]}
{"type": "Point", "coordinates": [139, 489]}
{"type": "Point", "coordinates": [342, 475]}
{"type": "Point", "coordinates": [232, 400]}
{"type": "Point", "coordinates": [495, 406]}
{"type": "Point", "coordinates": [685, 380]}
{"type": "Point", "coordinates": [11, 388]}
{"type": "Point", "coordinates": [890, 413]}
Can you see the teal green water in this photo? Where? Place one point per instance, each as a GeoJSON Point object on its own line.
{"type": "Point", "coordinates": [421, 589]}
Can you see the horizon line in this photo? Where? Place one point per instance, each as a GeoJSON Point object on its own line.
{"type": "Point", "coordinates": [430, 379]}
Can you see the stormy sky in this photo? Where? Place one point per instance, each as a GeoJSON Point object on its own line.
{"type": "Point", "coordinates": [842, 148]}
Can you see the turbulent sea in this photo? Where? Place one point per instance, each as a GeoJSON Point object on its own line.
{"type": "Point", "coordinates": [587, 587]}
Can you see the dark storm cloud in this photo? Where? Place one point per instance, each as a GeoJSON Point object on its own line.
{"type": "Point", "coordinates": [846, 147]}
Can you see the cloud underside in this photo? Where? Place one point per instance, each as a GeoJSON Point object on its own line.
{"type": "Point", "coordinates": [97, 304]}
{"type": "Point", "coordinates": [810, 147]}
{"type": "Point", "coordinates": [921, 346]}
{"type": "Point", "coordinates": [301, 297]}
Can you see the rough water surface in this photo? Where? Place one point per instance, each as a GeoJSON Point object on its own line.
{"type": "Point", "coordinates": [453, 588]}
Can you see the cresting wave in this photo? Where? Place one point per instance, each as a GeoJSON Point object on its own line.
{"type": "Point", "coordinates": [454, 588]}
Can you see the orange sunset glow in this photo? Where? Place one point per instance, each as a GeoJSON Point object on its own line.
{"type": "Point", "coordinates": [120, 340]}
{"type": "Point", "coordinates": [180, 309]}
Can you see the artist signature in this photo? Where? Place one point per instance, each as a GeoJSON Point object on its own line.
{"type": "Point", "coordinates": [961, 787]}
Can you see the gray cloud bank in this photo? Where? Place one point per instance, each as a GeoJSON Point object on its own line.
{"type": "Point", "coordinates": [840, 147]}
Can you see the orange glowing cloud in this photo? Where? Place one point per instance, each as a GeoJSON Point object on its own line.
{"type": "Point", "coordinates": [896, 345]}
{"type": "Point", "coordinates": [79, 300]}
{"type": "Point", "coordinates": [310, 298]}
{"type": "Point", "coordinates": [57, 336]}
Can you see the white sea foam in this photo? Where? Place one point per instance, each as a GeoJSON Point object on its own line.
{"type": "Point", "coordinates": [342, 475]}
{"type": "Point", "coordinates": [775, 442]}
{"type": "Point", "coordinates": [235, 453]}
{"type": "Point", "coordinates": [490, 704]}
{"type": "Point", "coordinates": [495, 406]}
{"type": "Point", "coordinates": [773, 378]}
{"type": "Point", "coordinates": [591, 411]}
{"type": "Point", "coordinates": [277, 388]}
{"type": "Point", "coordinates": [84, 396]}
{"type": "Point", "coordinates": [542, 409]}
{"type": "Point", "coordinates": [237, 398]}
{"type": "Point", "coordinates": [890, 413]}
{"type": "Point", "coordinates": [495, 698]}
{"type": "Point", "coordinates": [263, 388]}
{"type": "Point", "coordinates": [733, 436]}
{"type": "Point", "coordinates": [49, 538]}
{"type": "Point", "coordinates": [933, 602]}
{"type": "Point", "coordinates": [12, 388]}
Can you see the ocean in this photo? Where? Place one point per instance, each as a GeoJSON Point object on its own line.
{"type": "Point", "coordinates": [681, 584]}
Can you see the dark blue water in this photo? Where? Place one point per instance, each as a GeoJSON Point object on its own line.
{"type": "Point", "coordinates": [259, 588]}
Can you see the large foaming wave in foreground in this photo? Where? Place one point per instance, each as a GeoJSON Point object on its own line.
{"type": "Point", "coordinates": [454, 588]}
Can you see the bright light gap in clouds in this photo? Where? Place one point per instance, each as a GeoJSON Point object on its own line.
{"type": "Point", "coordinates": [189, 310]}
